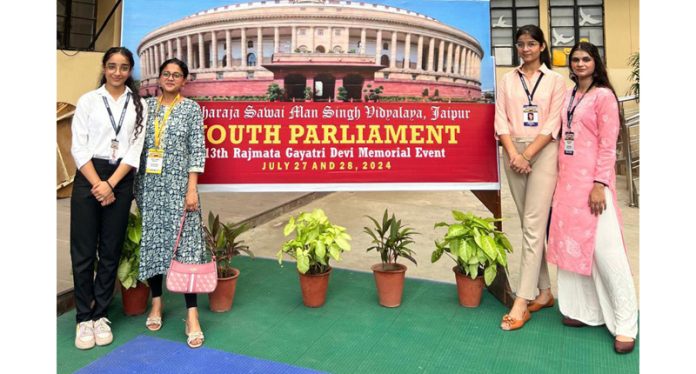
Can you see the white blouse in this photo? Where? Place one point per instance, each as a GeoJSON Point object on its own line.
{"type": "Point", "coordinates": [92, 131]}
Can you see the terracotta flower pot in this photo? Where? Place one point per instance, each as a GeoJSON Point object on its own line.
{"type": "Point", "coordinates": [390, 283]}
{"type": "Point", "coordinates": [135, 299]}
{"type": "Point", "coordinates": [222, 298]}
{"type": "Point", "coordinates": [469, 290]}
{"type": "Point", "coordinates": [314, 288]}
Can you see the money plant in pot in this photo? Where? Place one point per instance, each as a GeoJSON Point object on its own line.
{"type": "Point", "coordinates": [134, 293]}
{"type": "Point", "coordinates": [477, 249]}
{"type": "Point", "coordinates": [316, 242]}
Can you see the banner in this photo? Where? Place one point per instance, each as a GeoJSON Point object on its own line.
{"type": "Point", "coordinates": [327, 95]}
{"type": "Point", "coordinates": [273, 146]}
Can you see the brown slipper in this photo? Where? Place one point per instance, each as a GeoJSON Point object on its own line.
{"type": "Point", "coordinates": [573, 322]}
{"type": "Point", "coordinates": [515, 324]}
{"type": "Point", "coordinates": [624, 347]}
{"type": "Point", "coordinates": [535, 307]}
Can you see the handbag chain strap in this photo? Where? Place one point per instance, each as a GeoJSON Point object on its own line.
{"type": "Point", "coordinates": [178, 236]}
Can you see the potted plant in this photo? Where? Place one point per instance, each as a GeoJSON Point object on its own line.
{"type": "Point", "coordinates": [316, 241]}
{"type": "Point", "coordinates": [134, 293]}
{"type": "Point", "coordinates": [222, 240]}
{"type": "Point", "coordinates": [391, 239]}
{"type": "Point", "coordinates": [477, 248]}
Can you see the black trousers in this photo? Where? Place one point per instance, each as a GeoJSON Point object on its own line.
{"type": "Point", "coordinates": [97, 232]}
{"type": "Point", "coordinates": [155, 284]}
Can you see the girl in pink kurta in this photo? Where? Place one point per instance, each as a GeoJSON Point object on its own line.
{"type": "Point", "coordinates": [595, 286]}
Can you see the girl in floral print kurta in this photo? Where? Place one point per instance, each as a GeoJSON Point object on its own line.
{"type": "Point", "coordinates": [164, 191]}
{"type": "Point", "coordinates": [595, 285]}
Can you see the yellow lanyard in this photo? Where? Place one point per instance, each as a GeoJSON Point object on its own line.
{"type": "Point", "coordinates": [158, 128]}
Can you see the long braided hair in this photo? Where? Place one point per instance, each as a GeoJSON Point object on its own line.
{"type": "Point", "coordinates": [129, 82]}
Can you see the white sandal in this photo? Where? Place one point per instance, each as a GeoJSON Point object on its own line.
{"type": "Point", "coordinates": [192, 336]}
{"type": "Point", "coordinates": [157, 321]}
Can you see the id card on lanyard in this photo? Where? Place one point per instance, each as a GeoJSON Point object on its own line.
{"type": "Point", "coordinates": [569, 135]}
{"type": "Point", "coordinates": [155, 155]}
{"type": "Point", "coordinates": [113, 160]}
{"type": "Point", "coordinates": [530, 112]}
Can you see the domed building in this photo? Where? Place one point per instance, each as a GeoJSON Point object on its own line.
{"type": "Point", "coordinates": [240, 49]}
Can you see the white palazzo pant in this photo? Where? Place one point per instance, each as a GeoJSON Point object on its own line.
{"type": "Point", "coordinates": [608, 295]}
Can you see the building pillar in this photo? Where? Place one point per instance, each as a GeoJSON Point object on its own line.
{"type": "Point", "coordinates": [441, 57]}
{"type": "Point", "coordinates": [189, 52]}
{"type": "Point", "coordinates": [228, 49]}
{"type": "Point", "coordinates": [378, 47]}
{"type": "Point", "coordinates": [312, 43]}
{"type": "Point", "coordinates": [457, 52]}
{"type": "Point", "coordinates": [259, 46]}
{"type": "Point", "coordinates": [178, 48]}
{"type": "Point", "coordinates": [293, 39]}
{"type": "Point", "coordinates": [392, 60]}
{"type": "Point", "coordinates": [146, 66]}
{"type": "Point", "coordinates": [419, 56]}
{"type": "Point", "coordinates": [450, 46]}
{"type": "Point", "coordinates": [468, 64]}
{"type": "Point", "coordinates": [163, 56]}
{"type": "Point", "coordinates": [170, 54]}
{"type": "Point", "coordinates": [337, 85]}
{"type": "Point", "coordinates": [243, 44]}
{"type": "Point", "coordinates": [462, 64]}
{"type": "Point", "coordinates": [407, 52]}
{"type": "Point", "coordinates": [213, 49]}
{"type": "Point", "coordinates": [201, 51]}
{"type": "Point", "coordinates": [431, 54]}
{"type": "Point", "coordinates": [363, 40]}
{"type": "Point", "coordinates": [276, 40]}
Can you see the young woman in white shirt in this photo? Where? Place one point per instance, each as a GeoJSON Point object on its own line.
{"type": "Point", "coordinates": [107, 138]}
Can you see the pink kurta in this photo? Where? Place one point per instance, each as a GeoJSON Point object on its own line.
{"type": "Point", "coordinates": [571, 242]}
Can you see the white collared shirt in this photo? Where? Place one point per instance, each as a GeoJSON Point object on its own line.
{"type": "Point", "coordinates": [92, 131]}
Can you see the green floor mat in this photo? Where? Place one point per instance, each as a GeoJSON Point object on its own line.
{"type": "Point", "coordinates": [351, 333]}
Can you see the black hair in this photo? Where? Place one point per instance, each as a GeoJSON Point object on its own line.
{"type": "Point", "coordinates": [535, 33]}
{"type": "Point", "coordinates": [181, 64]}
{"type": "Point", "coordinates": [130, 83]}
{"type": "Point", "coordinates": [599, 76]}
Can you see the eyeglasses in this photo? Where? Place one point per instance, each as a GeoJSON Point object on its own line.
{"type": "Point", "coordinates": [167, 74]}
{"type": "Point", "coordinates": [521, 45]}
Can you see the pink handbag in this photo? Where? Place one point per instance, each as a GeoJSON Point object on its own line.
{"type": "Point", "coordinates": [190, 278]}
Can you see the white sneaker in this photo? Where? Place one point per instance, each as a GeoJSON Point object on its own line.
{"type": "Point", "coordinates": [102, 331]}
{"type": "Point", "coordinates": [84, 335]}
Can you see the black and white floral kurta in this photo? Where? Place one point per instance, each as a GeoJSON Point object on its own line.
{"type": "Point", "coordinates": [160, 197]}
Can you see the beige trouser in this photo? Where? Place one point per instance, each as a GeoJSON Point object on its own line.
{"type": "Point", "coordinates": [532, 194]}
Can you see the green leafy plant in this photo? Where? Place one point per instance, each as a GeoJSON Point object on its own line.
{"type": "Point", "coordinates": [474, 244]}
{"type": "Point", "coordinates": [129, 263]}
{"type": "Point", "coordinates": [373, 94]}
{"type": "Point", "coordinates": [391, 239]}
{"type": "Point", "coordinates": [308, 93]}
{"type": "Point", "coordinates": [342, 94]}
{"type": "Point", "coordinates": [316, 241]}
{"type": "Point", "coordinates": [222, 240]}
{"type": "Point", "coordinates": [634, 62]}
{"type": "Point", "coordinates": [274, 92]}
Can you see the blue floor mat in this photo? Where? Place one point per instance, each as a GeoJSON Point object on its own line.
{"type": "Point", "coordinates": [146, 354]}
